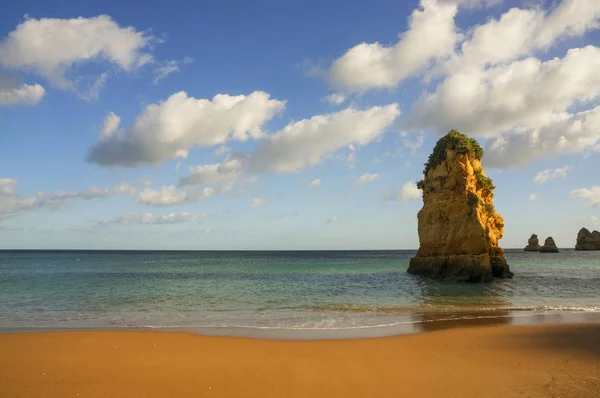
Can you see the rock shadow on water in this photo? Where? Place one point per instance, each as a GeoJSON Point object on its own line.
{"type": "Point", "coordinates": [434, 321]}
{"type": "Point", "coordinates": [450, 305]}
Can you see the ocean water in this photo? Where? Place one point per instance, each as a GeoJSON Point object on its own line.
{"type": "Point", "coordinates": [240, 292]}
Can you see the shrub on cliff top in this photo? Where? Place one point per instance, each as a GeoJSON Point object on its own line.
{"type": "Point", "coordinates": [454, 140]}
{"type": "Point", "coordinates": [484, 182]}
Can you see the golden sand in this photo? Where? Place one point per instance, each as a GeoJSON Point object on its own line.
{"type": "Point", "coordinates": [498, 361]}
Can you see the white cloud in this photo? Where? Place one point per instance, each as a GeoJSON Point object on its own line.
{"type": "Point", "coordinates": [171, 128]}
{"type": "Point", "coordinates": [569, 134]}
{"type": "Point", "coordinates": [315, 183]}
{"type": "Point", "coordinates": [165, 69]}
{"type": "Point", "coordinates": [492, 86]}
{"type": "Point", "coordinates": [365, 178]}
{"type": "Point", "coordinates": [518, 32]}
{"type": "Point", "coordinates": [409, 191]}
{"type": "Point", "coordinates": [52, 47]}
{"type": "Point", "coordinates": [11, 202]}
{"type": "Point", "coordinates": [591, 195]}
{"type": "Point", "coordinates": [257, 202]}
{"type": "Point", "coordinates": [222, 150]}
{"type": "Point", "coordinates": [349, 157]}
{"type": "Point", "coordinates": [111, 124]}
{"type": "Point", "coordinates": [227, 173]}
{"type": "Point", "coordinates": [548, 174]}
{"type": "Point", "coordinates": [169, 195]}
{"type": "Point", "coordinates": [525, 94]}
{"type": "Point", "coordinates": [333, 219]}
{"type": "Point", "coordinates": [153, 219]}
{"type": "Point", "coordinates": [306, 143]}
{"type": "Point", "coordinates": [415, 145]}
{"type": "Point", "coordinates": [8, 186]}
{"type": "Point", "coordinates": [431, 35]}
{"type": "Point", "coordinates": [26, 94]}
{"type": "Point", "coordinates": [334, 99]}
{"type": "Point", "coordinates": [93, 92]}
{"type": "Point", "coordinates": [533, 196]}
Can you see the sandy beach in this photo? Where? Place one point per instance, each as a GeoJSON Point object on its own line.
{"type": "Point", "coordinates": [494, 361]}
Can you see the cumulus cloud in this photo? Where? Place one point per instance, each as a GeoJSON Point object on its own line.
{"type": "Point", "coordinates": [315, 183]}
{"type": "Point", "coordinates": [431, 35]}
{"type": "Point", "coordinates": [409, 191]}
{"type": "Point", "coordinates": [548, 174]}
{"type": "Point", "coordinates": [524, 94]}
{"type": "Point", "coordinates": [25, 94]}
{"type": "Point", "coordinates": [169, 195]}
{"type": "Point", "coordinates": [171, 128]}
{"type": "Point", "coordinates": [11, 202]}
{"type": "Point", "coordinates": [225, 174]}
{"type": "Point", "coordinates": [518, 32]}
{"type": "Point", "coordinates": [334, 99]}
{"type": "Point", "coordinates": [569, 134]}
{"type": "Point", "coordinates": [153, 219]}
{"type": "Point", "coordinates": [590, 195]}
{"type": "Point", "coordinates": [257, 202]}
{"type": "Point", "coordinates": [297, 146]}
{"type": "Point", "coordinates": [306, 143]}
{"type": "Point", "coordinates": [53, 47]}
{"type": "Point", "coordinates": [493, 86]}
{"type": "Point", "coordinates": [533, 196]}
{"type": "Point", "coordinates": [111, 124]}
{"type": "Point", "coordinates": [333, 219]}
{"type": "Point", "coordinates": [8, 186]}
{"type": "Point", "coordinates": [365, 178]}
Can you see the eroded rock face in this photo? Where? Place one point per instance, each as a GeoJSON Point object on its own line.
{"type": "Point", "coordinates": [549, 246]}
{"type": "Point", "coordinates": [533, 244]}
{"type": "Point", "coordinates": [459, 228]}
{"type": "Point", "coordinates": [587, 240]}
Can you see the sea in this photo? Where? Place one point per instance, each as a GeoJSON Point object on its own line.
{"type": "Point", "coordinates": [282, 294]}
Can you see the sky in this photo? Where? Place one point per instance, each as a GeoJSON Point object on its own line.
{"type": "Point", "coordinates": [289, 125]}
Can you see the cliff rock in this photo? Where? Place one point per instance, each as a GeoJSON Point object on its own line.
{"type": "Point", "coordinates": [549, 246]}
{"type": "Point", "coordinates": [459, 228]}
{"type": "Point", "coordinates": [533, 244]}
{"type": "Point", "coordinates": [587, 240]}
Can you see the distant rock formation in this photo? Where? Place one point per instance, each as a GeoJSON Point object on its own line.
{"type": "Point", "coordinates": [549, 246]}
{"type": "Point", "coordinates": [533, 244]}
{"type": "Point", "coordinates": [587, 240]}
{"type": "Point", "coordinates": [459, 228]}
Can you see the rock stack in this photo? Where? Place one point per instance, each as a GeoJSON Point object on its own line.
{"type": "Point", "coordinates": [549, 246]}
{"type": "Point", "coordinates": [533, 244]}
{"type": "Point", "coordinates": [587, 240]}
{"type": "Point", "coordinates": [459, 228]}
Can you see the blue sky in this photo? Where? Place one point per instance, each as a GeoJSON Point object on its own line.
{"type": "Point", "coordinates": [102, 123]}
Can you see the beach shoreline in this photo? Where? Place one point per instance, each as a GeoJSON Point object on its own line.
{"type": "Point", "coordinates": [420, 323]}
{"type": "Point", "coordinates": [491, 361]}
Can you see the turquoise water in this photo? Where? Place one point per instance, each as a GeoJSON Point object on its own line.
{"type": "Point", "coordinates": [273, 290]}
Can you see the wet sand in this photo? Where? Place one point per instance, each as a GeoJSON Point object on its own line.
{"type": "Point", "coordinates": [487, 361]}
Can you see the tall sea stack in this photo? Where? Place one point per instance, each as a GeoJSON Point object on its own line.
{"type": "Point", "coordinates": [587, 240]}
{"type": "Point", "coordinates": [459, 228]}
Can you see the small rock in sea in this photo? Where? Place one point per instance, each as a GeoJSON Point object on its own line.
{"type": "Point", "coordinates": [549, 246]}
{"type": "Point", "coordinates": [587, 240]}
{"type": "Point", "coordinates": [533, 244]}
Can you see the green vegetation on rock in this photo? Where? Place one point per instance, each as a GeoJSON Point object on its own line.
{"type": "Point", "coordinates": [484, 182]}
{"type": "Point", "coordinates": [454, 140]}
{"type": "Point", "coordinates": [473, 199]}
